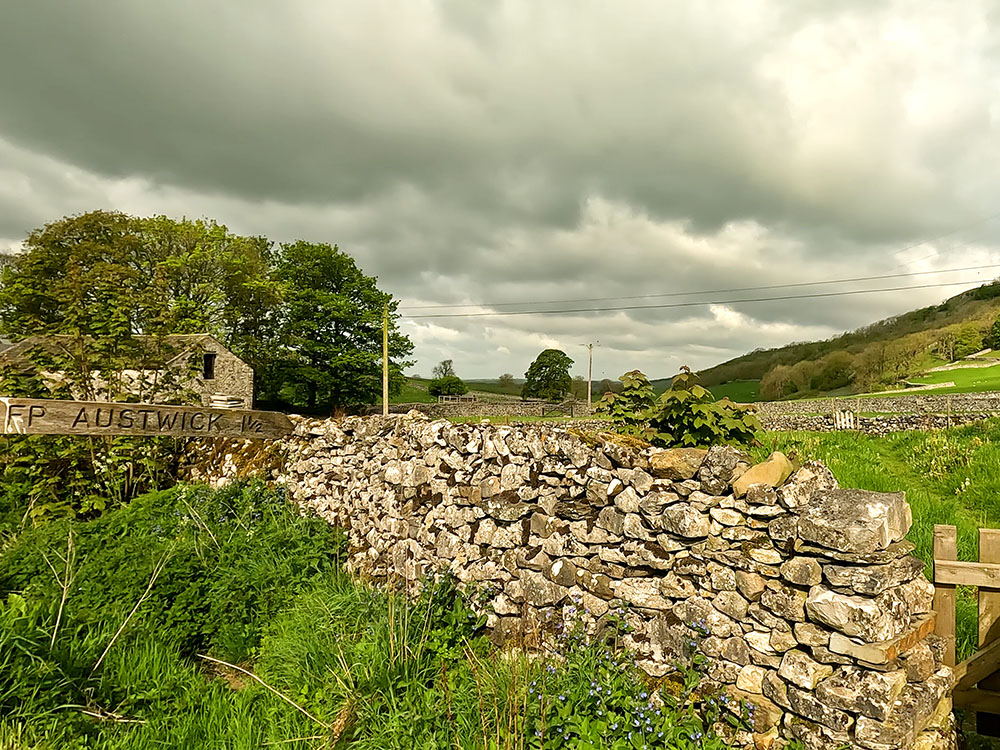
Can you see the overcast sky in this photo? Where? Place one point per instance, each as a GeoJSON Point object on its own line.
{"type": "Point", "coordinates": [474, 152]}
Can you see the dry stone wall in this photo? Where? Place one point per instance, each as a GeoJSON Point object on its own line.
{"type": "Point", "coordinates": [878, 425]}
{"type": "Point", "coordinates": [987, 402]}
{"type": "Point", "coordinates": [803, 596]}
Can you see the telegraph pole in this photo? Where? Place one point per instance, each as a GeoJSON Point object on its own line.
{"type": "Point", "coordinates": [590, 370]}
{"type": "Point", "coordinates": [385, 360]}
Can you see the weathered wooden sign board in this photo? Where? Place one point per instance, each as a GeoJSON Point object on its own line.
{"type": "Point", "coordinates": [30, 416]}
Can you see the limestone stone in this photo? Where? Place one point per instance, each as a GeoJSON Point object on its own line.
{"type": "Point", "coordinates": [807, 705]}
{"type": "Point", "coordinates": [562, 572]}
{"type": "Point", "coordinates": [782, 640]}
{"type": "Point", "coordinates": [784, 601]}
{"type": "Point", "coordinates": [736, 650]}
{"type": "Point", "coordinates": [772, 472]}
{"type": "Point", "coordinates": [862, 691]}
{"type": "Point", "coordinates": [732, 604]}
{"type": "Point", "coordinates": [541, 592]}
{"type": "Point", "coordinates": [767, 618]}
{"type": "Point", "coordinates": [627, 501]}
{"type": "Point", "coordinates": [724, 462]}
{"type": "Point", "coordinates": [641, 592]}
{"type": "Point", "coordinates": [677, 463]}
{"type": "Point", "coordinates": [886, 652]}
{"type": "Point", "coordinates": [775, 689]}
{"type": "Point", "coordinates": [654, 502]}
{"type": "Point", "coordinates": [684, 521]}
{"type": "Point", "coordinates": [914, 709]}
{"type": "Point", "coordinates": [918, 663]}
{"type": "Point", "coordinates": [633, 527]}
{"type": "Point", "coordinates": [751, 679]}
{"type": "Point", "coordinates": [855, 521]}
{"type": "Point", "coordinates": [872, 619]}
{"type": "Point", "coordinates": [813, 477]}
{"type": "Point", "coordinates": [727, 517]}
{"type": "Point", "coordinates": [802, 571]}
{"type": "Point", "coordinates": [612, 520]}
{"type": "Point", "coordinates": [811, 635]}
{"type": "Point", "coordinates": [799, 669]}
{"type": "Point", "coordinates": [508, 536]}
{"type": "Point", "coordinates": [765, 554]}
{"type": "Point", "coordinates": [750, 584]}
{"type": "Point", "coordinates": [783, 530]}
{"type": "Point", "coordinates": [721, 578]}
{"type": "Point", "coordinates": [872, 580]}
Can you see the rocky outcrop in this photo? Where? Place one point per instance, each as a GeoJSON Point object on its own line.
{"type": "Point", "coordinates": [802, 595]}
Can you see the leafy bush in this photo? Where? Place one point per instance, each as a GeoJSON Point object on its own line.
{"type": "Point", "coordinates": [629, 409]}
{"type": "Point", "coordinates": [449, 385]}
{"type": "Point", "coordinates": [227, 560]}
{"type": "Point", "coordinates": [686, 414]}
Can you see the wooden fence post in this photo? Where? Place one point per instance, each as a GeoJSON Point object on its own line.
{"type": "Point", "coordinates": [945, 548]}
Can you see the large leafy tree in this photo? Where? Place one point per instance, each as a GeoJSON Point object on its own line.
{"type": "Point", "coordinates": [548, 376]}
{"type": "Point", "coordinates": [330, 330]}
{"type": "Point", "coordinates": [100, 279]}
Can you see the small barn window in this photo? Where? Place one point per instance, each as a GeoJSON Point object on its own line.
{"type": "Point", "coordinates": [208, 366]}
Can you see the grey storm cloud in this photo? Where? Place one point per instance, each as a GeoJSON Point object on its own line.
{"type": "Point", "coordinates": [476, 152]}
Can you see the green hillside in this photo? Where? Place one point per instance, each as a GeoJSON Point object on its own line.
{"type": "Point", "coordinates": [872, 358]}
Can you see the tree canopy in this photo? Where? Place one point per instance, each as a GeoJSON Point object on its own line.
{"type": "Point", "coordinates": [303, 315]}
{"type": "Point", "coordinates": [548, 376]}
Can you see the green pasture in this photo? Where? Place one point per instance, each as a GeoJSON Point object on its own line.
{"type": "Point", "coordinates": [966, 379]}
{"type": "Point", "coordinates": [740, 391]}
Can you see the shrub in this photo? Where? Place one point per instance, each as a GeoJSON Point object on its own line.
{"type": "Point", "coordinates": [630, 407]}
{"type": "Point", "coordinates": [449, 385]}
{"type": "Point", "coordinates": [686, 414]}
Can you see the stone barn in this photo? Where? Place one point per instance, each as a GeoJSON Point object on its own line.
{"type": "Point", "coordinates": [197, 363]}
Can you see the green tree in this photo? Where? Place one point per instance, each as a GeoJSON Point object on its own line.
{"type": "Point", "coordinates": [449, 385]}
{"type": "Point", "coordinates": [992, 339]}
{"type": "Point", "coordinates": [445, 368]}
{"type": "Point", "coordinates": [506, 383]}
{"type": "Point", "coordinates": [330, 330]}
{"type": "Point", "coordinates": [548, 376]}
{"type": "Point", "coordinates": [777, 383]}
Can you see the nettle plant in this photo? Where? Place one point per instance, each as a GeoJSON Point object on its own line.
{"type": "Point", "coordinates": [686, 414]}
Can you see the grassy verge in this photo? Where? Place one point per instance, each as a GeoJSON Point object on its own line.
{"type": "Point", "coordinates": [949, 476]}
{"type": "Point", "coordinates": [105, 626]}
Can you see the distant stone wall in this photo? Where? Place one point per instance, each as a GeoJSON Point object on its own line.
{"type": "Point", "coordinates": [881, 425]}
{"type": "Point", "coordinates": [803, 596]}
{"type": "Point", "coordinates": [510, 408]}
{"type": "Point", "coordinates": [988, 402]}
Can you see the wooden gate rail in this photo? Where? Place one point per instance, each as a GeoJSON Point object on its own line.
{"type": "Point", "coordinates": [977, 682]}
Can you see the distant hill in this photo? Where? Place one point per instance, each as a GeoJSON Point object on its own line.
{"type": "Point", "coordinates": [870, 358]}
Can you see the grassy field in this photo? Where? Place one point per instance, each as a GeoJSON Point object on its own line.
{"type": "Point", "coordinates": [740, 391]}
{"type": "Point", "coordinates": [949, 476]}
{"type": "Point", "coordinates": [966, 379]}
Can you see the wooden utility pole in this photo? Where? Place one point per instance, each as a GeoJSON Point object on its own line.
{"type": "Point", "coordinates": [590, 371]}
{"type": "Point", "coordinates": [385, 360]}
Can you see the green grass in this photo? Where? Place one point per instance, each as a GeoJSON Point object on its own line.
{"type": "Point", "coordinates": [740, 391]}
{"type": "Point", "coordinates": [244, 578]}
{"type": "Point", "coordinates": [949, 476]}
{"type": "Point", "coordinates": [966, 379]}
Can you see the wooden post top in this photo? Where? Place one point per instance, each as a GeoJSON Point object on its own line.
{"type": "Point", "coordinates": [32, 416]}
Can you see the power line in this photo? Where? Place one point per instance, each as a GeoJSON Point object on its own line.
{"type": "Point", "coordinates": [707, 291]}
{"type": "Point", "coordinates": [698, 303]}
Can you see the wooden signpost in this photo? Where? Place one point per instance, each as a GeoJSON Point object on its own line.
{"type": "Point", "coordinates": [32, 416]}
